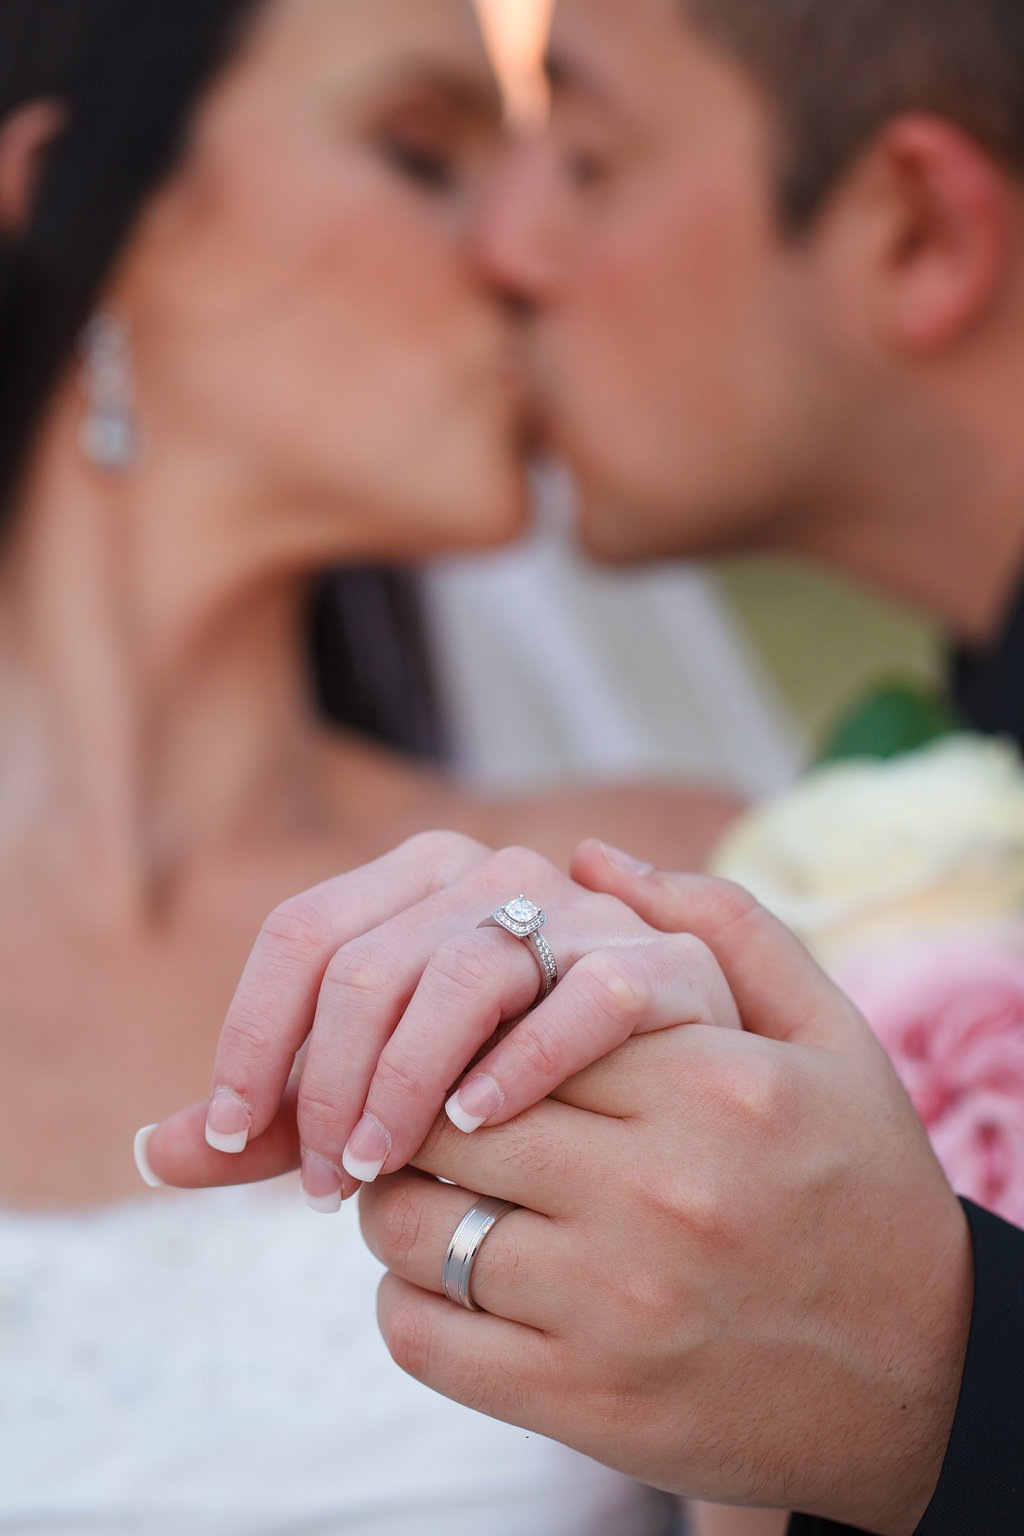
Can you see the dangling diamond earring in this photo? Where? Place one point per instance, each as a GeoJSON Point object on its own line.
{"type": "Point", "coordinates": [110, 436]}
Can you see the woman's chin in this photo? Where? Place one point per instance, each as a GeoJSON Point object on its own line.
{"type": "Point", "coordinates": [488, 498]}
{"type": "Point", "coordinates": [499, 515]}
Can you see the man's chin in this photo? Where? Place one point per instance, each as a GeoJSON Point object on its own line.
{"type": "Point", "coordinates": [612, 530]}
{"type": "Point", "coordinates": [614, 522]}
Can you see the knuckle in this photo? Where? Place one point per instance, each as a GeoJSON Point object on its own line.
{"type": "Point", "coordinates": [417, 1346]}
{"type": "Point", "coordinates": [729, 904]}
{"type": "Point", "coordinates": [296, 929]}
{"type": "Point", "coordinates": [693, 953]}
{"type": "Point", "coordinates": [396, 1078]}
{"type": "Point", "coordinates": [532, 1157]}
{"type": "Point", "coordinates": [516, 866]}
{"type": "Point", "coordinates": [441, 855]}
{"type": "Point", "coordinates": [461, 964]}
{"type": "Point", "coordinates": [708, 1215]}
{"type": "Point", "coordinates": [319, 1116]}
{"type": "Point", "coordinates": [752, 1093]}
{"type": "Point", "coordinates": [360, 970]}
{"type": "Point", "coordinates": [687, 1203]}
{"type": "Point", "coordinates": [249, 1035]}
{"type": "Point", "coordinates": [694, 963]}
{"type": "Point", "coordinates": [614, 983]}
{"type": "Point", "coordinates": [650, 1298]}
{"type": "Point", "coordinates": [539, 1051]}
{"type": "Point", "coordinates": [492, 1388]}
{"type": "Point", "coordinates": [410, 1337]}
{"type": "Point", "coordinates": [398, 1227]}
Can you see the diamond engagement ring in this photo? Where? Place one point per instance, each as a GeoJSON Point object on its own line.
{"type": "Point", "coordinates": [523, 919]}
{"type": "Point", "coordinates": [466, 1243]}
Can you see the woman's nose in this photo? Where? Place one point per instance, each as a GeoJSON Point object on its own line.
{"type": "Point", "coordinates": [519, 235]}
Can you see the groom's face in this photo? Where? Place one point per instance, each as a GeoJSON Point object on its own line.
{"type": "Point", "coordinates": [672, 323]}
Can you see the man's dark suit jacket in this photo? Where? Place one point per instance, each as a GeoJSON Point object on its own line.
{"type": "Point", "coordinates": [981, 1490]}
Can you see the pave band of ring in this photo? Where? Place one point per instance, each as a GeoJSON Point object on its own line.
{"type": "Point", "coordinates": [523, 919]}
{"type": "Point", "coordinates": [467, 1240]}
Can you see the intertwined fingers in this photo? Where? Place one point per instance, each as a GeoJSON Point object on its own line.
{"type": "Point", "coordinates": [409, 1220]}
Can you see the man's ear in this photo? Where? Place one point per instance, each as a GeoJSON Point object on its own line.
{"type": "Point", "coordinates": [25, 136]}
{"type": "Point", "coordinates": [945, 231]}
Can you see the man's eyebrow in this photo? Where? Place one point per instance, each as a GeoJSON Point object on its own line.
{"type": "Point", "coordinates": [565, 76]}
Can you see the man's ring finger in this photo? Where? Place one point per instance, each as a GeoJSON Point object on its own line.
{"type": "Point", "coordinates": [467, 1240]}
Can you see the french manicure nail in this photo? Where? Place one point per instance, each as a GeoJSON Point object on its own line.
{"type": "Point", "coordinates": [141, 1151]}
{"type": "Point", "coordinates": [228, 1121]}
{"type": "Point", "coordinates": [321, 1184]}
{"type": "Point", "coordinates": [367, 1151]}
{"type": "Point", "coordinates": [625, 861]}
{"type": "Point", "coordinates": [474, 1103]}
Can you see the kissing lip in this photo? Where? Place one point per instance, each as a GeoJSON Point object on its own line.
{"type": "Point", "coordinates": [535, 434]}
{"type": "Point", "coordinates": [519, 373]}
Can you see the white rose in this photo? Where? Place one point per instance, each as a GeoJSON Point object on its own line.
{"type": "Point", "coordinates": [862, 852]}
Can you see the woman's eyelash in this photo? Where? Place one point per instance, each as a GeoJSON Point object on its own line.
{"type": "Point", "coordinates": [430, 168]}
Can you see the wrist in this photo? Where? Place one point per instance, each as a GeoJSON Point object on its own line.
{"type": "Point", "coordinates": [898, 1503]}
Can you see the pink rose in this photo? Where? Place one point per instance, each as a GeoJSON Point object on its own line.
{"type": "Point", "coordinates": [951, 1017]}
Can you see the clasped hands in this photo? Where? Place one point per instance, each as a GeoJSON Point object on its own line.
{"type": "Point", "coordinates": [738, 1272]}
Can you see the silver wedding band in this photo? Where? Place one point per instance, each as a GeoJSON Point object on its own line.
{"type": "Point", "coordinates": [523, 919]}
{"type": "Point", "coordinates": [467, 1240]}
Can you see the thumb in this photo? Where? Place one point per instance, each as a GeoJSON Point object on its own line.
{"type": "Point", "coordinates": [175, 1152]}
{"type": "Point", "coordinates": [781, 992]}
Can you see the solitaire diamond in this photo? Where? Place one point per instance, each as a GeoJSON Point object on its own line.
{"type": "Point", "coordinates": [522, 911]}
{"type": "Point", "coordinates": [523, 919]}
{"type": "Point", "coordinates": [520, 917]}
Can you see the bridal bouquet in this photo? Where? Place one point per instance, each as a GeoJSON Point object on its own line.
{"type": "Point", "coordinates": [906, 879]}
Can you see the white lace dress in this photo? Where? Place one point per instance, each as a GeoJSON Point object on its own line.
{"type": "Point", "coordinates": [209, 1365]}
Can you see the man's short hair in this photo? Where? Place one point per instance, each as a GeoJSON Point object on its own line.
{"type": "Point", "coordinates": [836, 71]}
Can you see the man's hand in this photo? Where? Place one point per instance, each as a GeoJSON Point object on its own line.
{"type": "Point", "coordinates": [739, 1273]}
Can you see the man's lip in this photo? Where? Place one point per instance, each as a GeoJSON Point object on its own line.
{"type": "Point", "coordinates": [520, 370]}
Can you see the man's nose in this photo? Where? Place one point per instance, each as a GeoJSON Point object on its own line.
{"type": "Point", "coordinates": [519, 238]}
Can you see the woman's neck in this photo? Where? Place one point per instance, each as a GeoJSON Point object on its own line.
{"type": "Point", "coordinates": [154, 696]}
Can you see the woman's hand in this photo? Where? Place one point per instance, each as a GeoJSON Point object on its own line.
{"type": "Point", "coordinates": [387, 984]}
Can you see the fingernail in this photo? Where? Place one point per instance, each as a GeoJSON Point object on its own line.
{"type": "Point", "coordinates": [141, 1150]}
{"type": "Point", "coordinates": [625, 861]}
{"type": "Point", "coordinates": [228, 1120]}
{"type": "Point", "coordinates": [321, 1184]}
{"type": "Point", "coordinates": [475, 1102]}
{"type": "Point", "coordinates": [368, 1149]}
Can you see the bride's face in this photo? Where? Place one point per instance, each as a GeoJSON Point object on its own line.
{"type": "Point", "coordinates": [301, 290]}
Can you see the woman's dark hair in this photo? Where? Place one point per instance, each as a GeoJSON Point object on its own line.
{"type": "Point", "coordinates": [128, 74]}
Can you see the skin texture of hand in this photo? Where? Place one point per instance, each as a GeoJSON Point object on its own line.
{"type": "Point", "coordinates": [387, 984]}
{"type": "Point", "coordinates": [739, 1273]}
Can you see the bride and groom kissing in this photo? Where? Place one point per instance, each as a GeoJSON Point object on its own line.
{"type": "Point", "coordinates": [769, 264]}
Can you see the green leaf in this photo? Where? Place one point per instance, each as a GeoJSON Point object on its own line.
{"type": "Point", "coordinates": [891, 720]}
